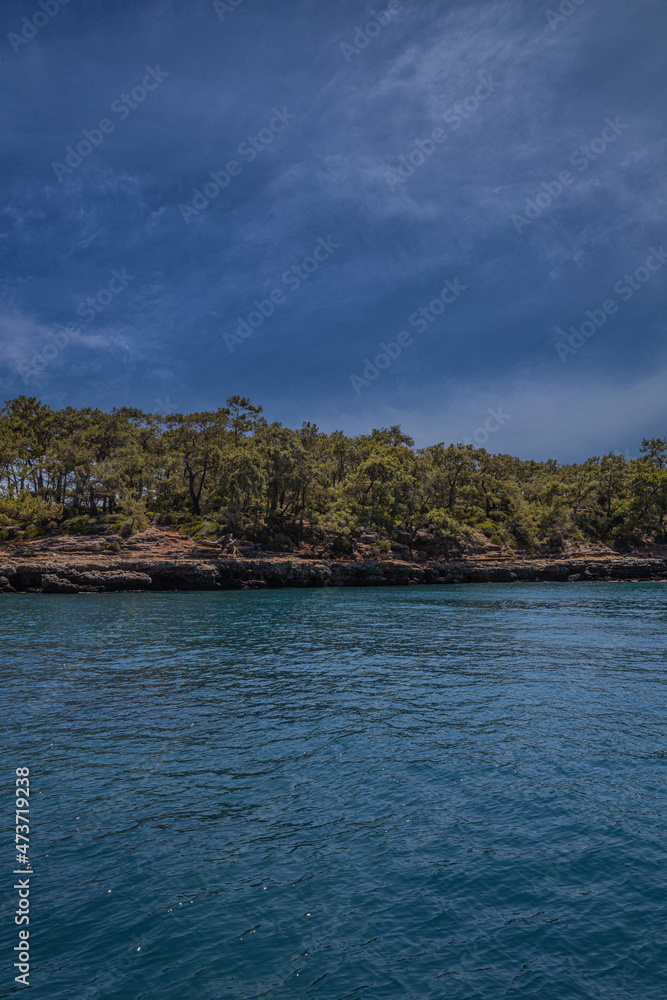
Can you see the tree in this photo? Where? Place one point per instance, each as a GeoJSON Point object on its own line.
{"type": "Point", "coordinates": [193, 442]}
{"type": "Point", "coordinates": [242, 416]}
{"type": "Point", "coordinates": [231, 468]}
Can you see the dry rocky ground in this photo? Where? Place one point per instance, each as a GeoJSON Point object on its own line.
{"type": "Point", "coordinates": [160, 558]}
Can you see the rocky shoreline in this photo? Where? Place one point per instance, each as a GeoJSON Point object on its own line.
{"type": "Point", "coordinates": [212, 572]}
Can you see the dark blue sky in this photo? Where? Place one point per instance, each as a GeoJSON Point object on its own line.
{"type": "Point", "coordinates": [403, 148]}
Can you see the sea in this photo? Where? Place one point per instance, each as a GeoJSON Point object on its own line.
{"type": "Point", "coordinates": [340, 794]}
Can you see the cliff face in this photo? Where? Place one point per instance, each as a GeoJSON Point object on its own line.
{"type": "Point", "coordinates": [161, 559]}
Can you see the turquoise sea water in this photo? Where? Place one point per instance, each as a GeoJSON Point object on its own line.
{"type": "Point", "coordinates": [398, 793]}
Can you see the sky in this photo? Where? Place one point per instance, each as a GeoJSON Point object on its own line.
{"type": "Point", "coordinates": [444, 214]}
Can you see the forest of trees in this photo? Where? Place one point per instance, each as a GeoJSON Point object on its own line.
{"type": "Point", "coordinates": [232, 471]}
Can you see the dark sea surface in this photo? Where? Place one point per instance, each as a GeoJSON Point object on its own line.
{"type": "Point", "coordinates": [398, 793]}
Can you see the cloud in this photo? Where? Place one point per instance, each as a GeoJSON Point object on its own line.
{"type": "Point", "coordinates": [327, 174]}
{"type": "Point", "coordinates": [545, 417]}
{"type": "Point", "coordinates": [23, 338]}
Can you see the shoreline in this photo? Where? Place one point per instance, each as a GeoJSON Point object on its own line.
{"type": "Point", "coordinates": [96, 575]}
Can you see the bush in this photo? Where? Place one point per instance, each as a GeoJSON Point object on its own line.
{"type": "Point", "coordinates": [279, 543]}
{"type": "Point", "coordinates": [443, 524]}
{"type": "Point", "coordinates": [84, 524]}
{"type": "Point", "coordinates": [343, 545]}
{"type": "Point", "coordinates": [10, 534]}
{"type": "Point", "coordinates": [626, 539]}
{"type": "Point", "coordinates": [190, 526]}
{"type": "Point", "coordinates": [167, 520]}
{"type": "Point", "coordinates": [134, 509]}
{"type": "Point", "coordinates": [211, 530]}
{"type": "Point", "coordinates": [488, 528]}
{"type": "Point", "coordinates": [27, 509]}
{"type": "Point", "coordinates": [500, 537]}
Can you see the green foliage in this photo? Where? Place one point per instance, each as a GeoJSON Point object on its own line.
{"type": "Point", "coordinates": [230, 471]}
{"type": "Point", "coordinates": [134, 507]}
{"type": "Point", "coordinates": [82, 525]}
{"type": "Point", "coordinates": [25, 509]}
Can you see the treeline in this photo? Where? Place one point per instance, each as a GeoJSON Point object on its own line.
{"type": "Point", "coordinates": [233, 471]}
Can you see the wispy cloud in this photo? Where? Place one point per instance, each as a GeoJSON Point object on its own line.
{"type": "Point", "coordinates": [327, 174]}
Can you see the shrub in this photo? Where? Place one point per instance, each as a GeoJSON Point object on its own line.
{"type": "Point", "coordinates": [27, 509]}
{"type": "Point", "coordinates": [190, 527]}
{"type": "Point", "coordinates": [279, 543]}
{"type": "Point", "coordinates": [211, 530]}
{"type": "Point", "coordinates": [10, 534]}
{"type": "Point", "coordinates": [167, 519]}
{"type": "Point", "coordinates": [84, 524]}
{"type": "Point", "coordinates": [135, 510]}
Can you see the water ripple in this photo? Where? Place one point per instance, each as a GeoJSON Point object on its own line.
{"type": "Point", "coordinates": [402, 793]}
